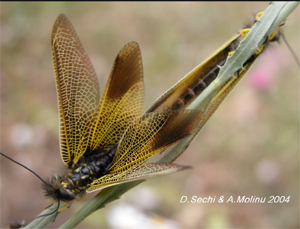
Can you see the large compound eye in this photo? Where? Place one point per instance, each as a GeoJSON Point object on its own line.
{"type": "Point", "coordinates": [65, 195]}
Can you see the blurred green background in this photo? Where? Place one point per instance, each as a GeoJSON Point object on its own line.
{"type": "Point", "coordinates": [250, 147]}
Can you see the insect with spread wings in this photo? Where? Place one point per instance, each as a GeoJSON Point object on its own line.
{"type": "Point", "coordinates": [106, 142]}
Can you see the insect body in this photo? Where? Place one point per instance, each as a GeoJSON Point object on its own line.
{"type": "Point", "coordinates": [106, 143]}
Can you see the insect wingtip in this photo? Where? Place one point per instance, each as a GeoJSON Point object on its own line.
{"type": "Point", "coordinates": [134, 44]}
{"type": "Point", "coordinates": [184, 167]}
{"type": "Point", "coordinates": [62, 16]}
{"type": "Point", "coordinates": [61, 19]}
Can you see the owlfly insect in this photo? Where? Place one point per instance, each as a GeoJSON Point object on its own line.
{"type": "Point", "coordinates": [105, 143]}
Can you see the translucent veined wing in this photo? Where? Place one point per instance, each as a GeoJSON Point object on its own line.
{"type": "Point", "coordinates": [142, 171]}
{"type": "Point", "coordinates": [122, 100]}
{"type": "Point", "coordinates": [145, 137]}
{"type": "Point", "coordinates": [84, 122]}
{"type": "Point", "coordinates": [77, 87]}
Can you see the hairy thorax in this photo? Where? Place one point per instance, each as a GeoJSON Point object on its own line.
{"type": "Point", "coordinates": [91, 166]}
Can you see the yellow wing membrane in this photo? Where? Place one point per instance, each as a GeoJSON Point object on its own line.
{"type": "Point", "coordinates": [86, 124]}
{"type": "Point", "coordinates": [77, 87]}
{"type": "Point", "coordinates": [142, 171]}
{"type": "Point", "coordinates": [145, 137]}
{"type": "Point", "coordinates": [122, 100]}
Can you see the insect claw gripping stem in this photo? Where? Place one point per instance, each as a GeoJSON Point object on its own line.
{"type": "Point", "coordinates": [68, 205]}
{"type": "Point", "coordinates": [257, 16]}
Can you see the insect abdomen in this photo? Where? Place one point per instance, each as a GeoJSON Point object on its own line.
{"type": "Point", "coordinates": [196, 88]}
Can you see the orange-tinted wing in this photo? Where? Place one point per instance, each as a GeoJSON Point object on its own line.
{"type": "Point", "coordinates": [145, 137]}
{"type": "Point", "coordinates": [122, 100]}
{"type": "Point", "coordinates": [77, 87]}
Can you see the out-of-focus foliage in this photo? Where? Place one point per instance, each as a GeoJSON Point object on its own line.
{"type": "Point", "coordinates": [249, 147]}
